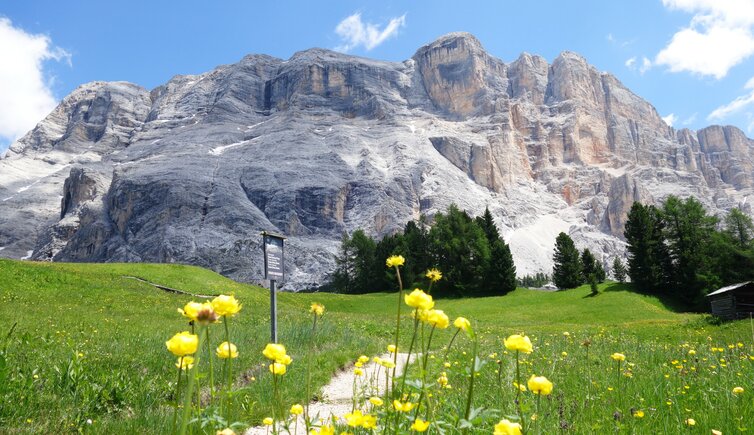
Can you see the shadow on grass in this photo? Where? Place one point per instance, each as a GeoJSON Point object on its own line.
{"type": "Point", "coordinates": [669, 302]}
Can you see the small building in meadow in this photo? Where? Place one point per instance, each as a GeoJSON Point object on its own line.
{"type": "Point", "coordinates": [735, 301]}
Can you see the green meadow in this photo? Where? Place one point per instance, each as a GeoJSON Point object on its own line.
{"type": "Point", "coordinates": [82, 349]}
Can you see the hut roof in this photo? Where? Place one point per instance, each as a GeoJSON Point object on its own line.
{"type": "Point", "coordinates": [729, 288]}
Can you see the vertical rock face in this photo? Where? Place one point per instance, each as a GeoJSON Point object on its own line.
{"type": "Point", "coordinates": [324, 143]}
{"type": "Point", "coordinates": [460, 78]}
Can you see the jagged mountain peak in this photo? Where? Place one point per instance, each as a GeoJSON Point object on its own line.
{"type": "Point", "coordinates": [324, 143]}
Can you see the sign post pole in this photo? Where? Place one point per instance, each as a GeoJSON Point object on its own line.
{"type": "Point", "coordinates": [273, 269]}
{"type": "Point", "coordinates": [273, 312]}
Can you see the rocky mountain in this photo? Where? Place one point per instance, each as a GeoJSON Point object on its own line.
{"type": "Point", "coordinates": [325, 143]}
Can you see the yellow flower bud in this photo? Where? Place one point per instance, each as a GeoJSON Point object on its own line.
{"type": "Point", "coordinates": [506, 427]}
{"type": "Point", "coordinates": [226, 350]}
{"type": "Point", "coordinates": [225, 305]}
{"type": "Point", "coordinates": [540, 385]}
{"type": "Point", "coordinates": [517, 342]}
{"type": "Point", "coordinates": [419, 425]}
{"type": "Point", "coordinates": [183, 343]}
{"type": "Point", "coordinates": [395, 261]}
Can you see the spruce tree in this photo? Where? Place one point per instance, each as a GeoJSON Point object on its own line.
{"type": "Point", "coordinates": [567, 269]}
{"type": "Point", "coordinates": [588, 265]}
{"type": "Point", "coordinates": [689, 234]}
{"type": "Point", "coordinates": [619, 270]}
{"type": "Point", "coordinates": [649, 264]}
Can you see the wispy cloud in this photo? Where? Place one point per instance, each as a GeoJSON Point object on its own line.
{"type": "Point", "coordinates": [25, 94]}
{"type": "Point", "coordinates": [718, 37]}
{"type": "Point", "coordinates": [633, 64]}
{"type": "Point", "coordinates": [690, 120]}
{"type": "Point", "coordinates": [354, 32]}
{"type": "Point", "coordinates": [735, 106]}
{"type": "Point", "coordinates": [670, 119]}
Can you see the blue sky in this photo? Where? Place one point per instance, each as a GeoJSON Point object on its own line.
{"type": "Point", "coordinates": [692, 59]}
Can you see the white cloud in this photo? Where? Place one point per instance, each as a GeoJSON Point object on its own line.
{"type": "Point", "coordinates": [670, 119]}
{"type": "Point", "coordinates": [718, 37]}
{"type": "Point", "coordinates": [632, 64]}
{"type": "Point", "coordinates": [25, 94]}
{"type": "Point", "coordinates": [645, 65]}
{"type": "Point", "coordinates": [354, 32]}
{"type": "Point", "coordinates": [736, 105]}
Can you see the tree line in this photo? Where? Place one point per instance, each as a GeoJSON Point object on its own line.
{"type": "Point", "coordinates": [678, 249]}
{"type": "Point", "coordinates": [470, 253]}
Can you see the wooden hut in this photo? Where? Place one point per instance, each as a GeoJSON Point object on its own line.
{"type": "Point", "coordinates": [734, 301]}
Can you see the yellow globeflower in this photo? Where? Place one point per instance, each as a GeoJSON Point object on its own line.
{"type": "Point", "coordinates": [395, 261]}
{"type": "Point", "coordinates": [376, 401]}
{"type": "Point", "coordinates": [403, 406]}
{"type": "Point", "coordinates": [639, 413]}
{"type": "Point", "coordinates": [517, 342]}
{"type": "Point", "coordinates": [391, 348]}
{"type": "Point", "coordinates": [355, 418]}
{"type": "Point", "coordinates": [433, 275]}
{"type": "Point", "coordinates": [358, 372]}
{"type": "Point", "coordinates": [420, 425]}
{"type": "Point", "coordinates": [363, 359]}
{"type": "Point", "coordinates": [317, 309]}
{"type": "Point", "coordinates": [226, 431]}
{"type": "Point", "coordinates": [540, 385]}
{"type": "Point", "coordinates": [462, 323]}
{"type": "Point", "coordinates": [183, 343]}
{"type": "Point", "coordinates": [369, 421]}
{"type": "Point", "coordinates": [225, 305]}
{"type": "Point", "coordinates": [285, 359]}
{"type": "Point", "coordinates": [387, 364]}
{"type": "Point", "coordinates": [274, 351]}
{"type": "Point", "coordinates": [267, 421]}
{"type": "Point", "coordinates": [226, 350]}
{"type": "Point", "coordinates": [190, 310]}
{"type": "Point", "coordinates": [185, 363]}
{"type": "Point", "coordinates": [277, 369]}
{"type": "Point", "coordinates": [326, 430]}
{"type": "Point", "coordinates": [618, 356]}
{"type": "Point", "coordinates": [297, 409]}
{"type": "Point", "coordinates": [443, 380]}
{"type": "Point", "coordinates": [419, 300]}
{"type": "Point", "coordinates": [438, 319]}
{"type": "Point", "coordinates": [690, 422]}
{"type": "Point", "coordinates": [506, 427]}
{"type": "Point", "coordinates": [738, 390]}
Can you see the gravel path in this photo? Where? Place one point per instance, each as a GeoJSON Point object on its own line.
{"type": "Point", "coordinates": [337, 396]}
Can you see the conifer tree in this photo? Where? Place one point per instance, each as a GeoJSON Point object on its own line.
{"type": "Point", "coordinates": [619, 270]}
{"type": "Point", "coordinates": [567, 269]}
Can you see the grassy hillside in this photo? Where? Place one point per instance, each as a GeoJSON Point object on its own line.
{"type": "Point", "coordinates": [87, 352]}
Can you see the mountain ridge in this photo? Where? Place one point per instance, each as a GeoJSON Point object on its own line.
{"type": "Point", "coordinates": [324, 143]}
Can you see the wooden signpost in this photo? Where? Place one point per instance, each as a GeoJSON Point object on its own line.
{"type": "Point", "coordinates": [273, 270]}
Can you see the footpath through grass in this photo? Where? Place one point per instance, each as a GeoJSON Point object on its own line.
{"type": "Point", "coordinates": [87, 352]}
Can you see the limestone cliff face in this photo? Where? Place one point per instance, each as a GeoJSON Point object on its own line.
{"type": "Point", "coordinates": [324, 143]}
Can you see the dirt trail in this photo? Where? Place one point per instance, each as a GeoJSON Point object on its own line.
{"type": "Point", "coordinates": [337, 395]}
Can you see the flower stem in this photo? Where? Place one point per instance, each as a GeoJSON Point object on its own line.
{"type": "Point", "coordinates": [191, 380]}
{"type": "Point", "coordinates": [309, 374]}
{"type": "Point", "coordinates": [228, 369]}
{"type": "Point", "coordinates": [471, 381]}
{"type": "Point", "coordinates": [410, 348]}
{"type": "Point", "coordinates": [177, 395]}
{"type": "Point", "coordinates": [536, 421]}
{"type": "Point", "coordinates": [211, 371]}
{"type": "Point", "coordinates": [397, 324]}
